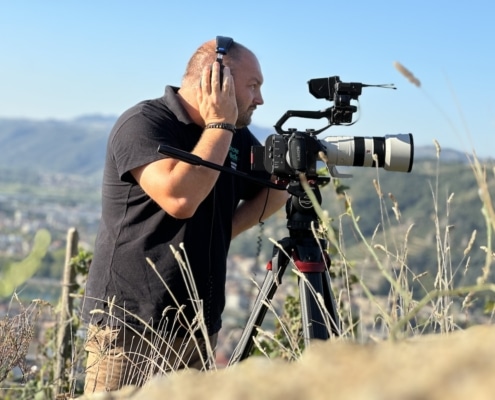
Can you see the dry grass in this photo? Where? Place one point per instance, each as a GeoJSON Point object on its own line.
{"type": "Point", "coordinates": [16, 334]}
{"type": "Point", "coordinates": [365, 316]}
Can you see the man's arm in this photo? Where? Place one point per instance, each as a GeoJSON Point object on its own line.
{"type": "Point", "coordinates": [179, 187]}
{"type": "Point", "coordinates": [259, 208]}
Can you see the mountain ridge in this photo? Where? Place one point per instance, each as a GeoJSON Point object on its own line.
{"type": "Point", "coordinates": [77, 146]}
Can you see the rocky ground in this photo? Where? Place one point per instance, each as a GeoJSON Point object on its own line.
{"type": "Point", "coordinates": [460, 365]}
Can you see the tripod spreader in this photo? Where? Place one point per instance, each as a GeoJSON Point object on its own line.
{"type": "Point", "coordinates": [311, 266]}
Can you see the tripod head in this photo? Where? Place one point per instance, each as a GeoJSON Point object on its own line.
{"type": "Point", "coordinates": [301, 215]}
{"type": "Point", "coordinates": [302, 221]}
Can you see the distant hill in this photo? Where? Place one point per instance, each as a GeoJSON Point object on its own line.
{"type": "Point", "coordinates": [446, 155]}
{"type": "Point", "coordinates": [73, 147]}
{"type": "Point", "coordinates": [78, 146]}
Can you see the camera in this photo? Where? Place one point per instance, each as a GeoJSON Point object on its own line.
{"type": "Point", "coordinates": [290, 152]}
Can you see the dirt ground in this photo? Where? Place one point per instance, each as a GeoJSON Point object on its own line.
{"type": "Point", "coordinates": [460, 365]}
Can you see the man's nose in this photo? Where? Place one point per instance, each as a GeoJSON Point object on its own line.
{"type": "Point", "coordinates": [259, 99]}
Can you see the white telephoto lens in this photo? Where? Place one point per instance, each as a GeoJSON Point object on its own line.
{"type": "Point", "coordinates": [391, 152]}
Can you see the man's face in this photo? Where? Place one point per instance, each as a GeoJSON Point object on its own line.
{"type": "Point", "coordinates": [248, 80]}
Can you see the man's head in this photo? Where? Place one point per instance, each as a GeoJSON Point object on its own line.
{"type": "Point", "coordinates": [245, 70]}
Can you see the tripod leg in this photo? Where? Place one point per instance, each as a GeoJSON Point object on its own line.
{"type": "Point", "coordinates": [318, 309]}
{"type": "Point", "coordinates": [270, 284]}
{"type": "Point", "coordinates": [312, 312]}
{"type": "Point", "coordinates": [330, 304]}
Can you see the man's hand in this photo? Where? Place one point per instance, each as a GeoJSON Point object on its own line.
{"type": "Point", "coordinates": [217, 104]}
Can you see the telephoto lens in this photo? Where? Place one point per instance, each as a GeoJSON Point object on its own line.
{"type": "Point", "coordinates": [392, 152]}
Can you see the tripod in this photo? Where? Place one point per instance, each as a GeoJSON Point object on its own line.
{"type": "Point", "coordinates": [319, 321]}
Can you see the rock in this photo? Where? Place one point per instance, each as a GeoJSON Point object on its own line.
{"type": "Point", "coordinates": [459, 365]}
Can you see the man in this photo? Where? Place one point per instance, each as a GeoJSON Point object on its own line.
{"type": "Point", "coordinates": [143, 317]}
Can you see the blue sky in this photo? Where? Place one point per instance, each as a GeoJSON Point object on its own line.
{"type": "Point", "coordinates": [66, 59]}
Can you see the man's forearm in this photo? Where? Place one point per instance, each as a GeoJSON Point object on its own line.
{"type": "Point", "coordinates": [251, 212]}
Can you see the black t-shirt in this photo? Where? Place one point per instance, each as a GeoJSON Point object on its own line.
{"type": "Point", "coordinates": [134, 228]}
